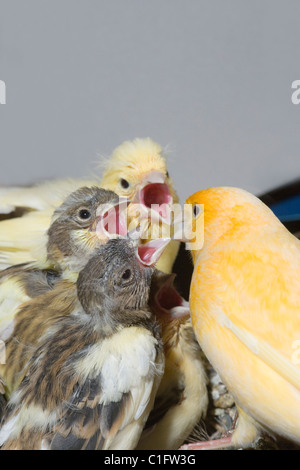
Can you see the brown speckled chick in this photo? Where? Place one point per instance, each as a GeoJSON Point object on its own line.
{"type": "Point", "coordinates": [76, 232]}
{"type": "Point", "coordinates": [92, 379]}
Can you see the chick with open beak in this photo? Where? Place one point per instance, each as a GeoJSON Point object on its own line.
{"type": "Point", "coordinates": [77, 231]}
{"type": "Point", "coordinates": [138, 171]}
{"type": "Point", "coordinates": [93, 375]}
{"type": "Point", "coordinates": [154, 194]}
{"type": "Point", "coordinates": [87, 218]}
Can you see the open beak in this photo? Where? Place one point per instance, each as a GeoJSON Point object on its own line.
{"type": "Point", "coordinates": [154, 197]}
{"type": "Point", "coordinates": [111, 220]}
{"type": "Point", "coordinates": [149, 253]}
{"type": "Point", "coordinates": [166, 303]}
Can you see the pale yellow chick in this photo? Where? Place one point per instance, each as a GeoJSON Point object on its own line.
{"type": "Point", "coordinates": [245, 309]}
{"type": "Point", "coordinates": [138, 171]}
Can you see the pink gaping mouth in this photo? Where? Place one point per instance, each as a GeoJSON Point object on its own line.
{"type": "Point", "coordinates": [156, 196]}
{"type": "Point", "coordinates": [166, 301]}
{"type": "Point", "coordinates": [155, 193]}
{"type": "Point", "coordinates": [112, 221]}
{"type": "Point", "coordinates": [149, 253]}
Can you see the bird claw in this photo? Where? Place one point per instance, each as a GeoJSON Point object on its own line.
{"type": "Point", "coordinates": [214, 444]}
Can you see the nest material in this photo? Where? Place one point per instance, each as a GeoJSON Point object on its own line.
{"type": "Point", "coordinates": [222, 414]}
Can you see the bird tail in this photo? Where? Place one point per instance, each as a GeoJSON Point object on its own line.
{"type": "Point", "coordinates": [25, 216]}
{"type": "Point", "coordinates": [23, 239]}
{"type": "Point", "coordinates": [45, 195]}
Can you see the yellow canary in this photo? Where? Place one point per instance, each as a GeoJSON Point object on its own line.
{"type": "Point", "coordinates": [94, 372]}
{"type": "Point", "coordinates": [245, 310]}
{"type": "Point", "coordinates": [137, 170]}
{"type": "Point", "coordinates": [182, 398]}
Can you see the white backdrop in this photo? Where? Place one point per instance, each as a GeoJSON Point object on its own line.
{"type": "Point", "coordinates": [210, 79]}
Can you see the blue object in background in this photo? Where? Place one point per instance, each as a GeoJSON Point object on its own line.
{"type": "Point", "coordinates": [284, 201]}
{"type": "Point", "coordinates": [287, 210]}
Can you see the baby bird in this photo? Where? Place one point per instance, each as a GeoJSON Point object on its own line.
{"type": "Point", "coordinates": [25, 217]}
{"type": "Point", "coordinates": [136, 170]}
{"type": "Point", "coordinates": [182, 398]}
{"type": "Point", "coordinates": [92, 379]}
{"type": "Point", "coordinates": [245, 304]}
{"type": "Point", "coordinates": [76, 232]}
{"type": "Point", "coordinates": [87, 218]}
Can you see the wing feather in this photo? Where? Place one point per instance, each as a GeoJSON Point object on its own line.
{"type": "Point", "coordinates": [23, 232]}
{"type": "Point", "coordinates": [274, 359]}
{"type": "Point", "coordinates": [87, 412]}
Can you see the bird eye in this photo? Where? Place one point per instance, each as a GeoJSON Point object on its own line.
{"type": "Point", "coordinates": [126, 275]}
{"type": "Point", "coordinates": [196, 210]}
{"type": "Point", "coordinates": [124, 183]}
{"type": "Point", "coordinates": [84, 214]}
{"type": "Point", "coordinates": [167, 175]}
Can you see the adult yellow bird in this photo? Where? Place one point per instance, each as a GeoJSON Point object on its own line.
{"type": "Point", "coordinates": [136, 169]}
{"type": "Point", "coordinates": [245, 310]}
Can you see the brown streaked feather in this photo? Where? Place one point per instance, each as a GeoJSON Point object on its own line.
{"type": "Point", "coordinates": [92, 376]}
{"type": "Point", "coordinates": [98, 423]}
{"type": "Point", "coordinates": [53, 382]}
{"type": "Point", "coordinates": [31, 322]}
{"type": "Point", "coordinates": [25, 441]}
{"type": "Point", "coordinates": [67, 253]}
{"type": "Point", "coordinates": [18, 212]}
{"type": "Point", "coordinates": [33, 281]}
{"type": "Point", "coordinates": [13, 270]}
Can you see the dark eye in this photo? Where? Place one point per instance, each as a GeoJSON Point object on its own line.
{"type": "Point", "coordinates": [84, 214]}
{"type": "Point", "coordinates": [196, 210]}
{"type": "Point", "coordinates": [167, 175]}
{"type": "Point", "coordinates": [126, 275]}
{"type": "Point", "coordinates": [124, 184]}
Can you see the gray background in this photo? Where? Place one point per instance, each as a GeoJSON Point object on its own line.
{"type": "Point", "coordinates": [209, 79]}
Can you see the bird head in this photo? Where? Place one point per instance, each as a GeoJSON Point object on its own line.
{"type": "Point", "coordinates": [165, 301]}
{"type": "Point", "coordinates": [116, 279]}
{"type": "Point", "coordinates": [228, 213]}
{"type": "Point", "coordinates": [138, 171]}
{"type": "Point", "coordinates": [82, 223]}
